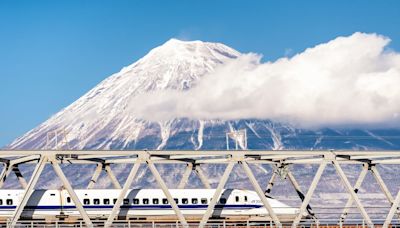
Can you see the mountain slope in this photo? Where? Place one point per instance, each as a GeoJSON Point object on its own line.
{"type": "Point", "coordinates": [101, 118]}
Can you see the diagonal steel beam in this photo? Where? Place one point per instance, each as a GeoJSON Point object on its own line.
{"type": "Point", "coordinates": [185, 176]}
{"type": "Point", "coordinates": [29, 190]}
{"type": "Point", "coordinates": [301, 195]}
{"type": "Point", "coordinates": [217, 194]}
{"type": "Point", "coordinates": [122, 194]}
{"type": "Point", "coordinates": [202, 177]}
{"type": "Point", "coordinates": [353, 194]}
{"type": "Point", "coordinates": [310, 192]}
{"type": "Point", "coordinates": [71, 192]}
{"type": "Point", "coordinates": [5, 173]}
{"type": "Point", "coordinates": [95, 176]}
{"type": "Point", "coordinates": [168, 195]}
{"type": "Point", "coordinates": [270, 184]}
{"type": "Point", "coordinates": [110, 174]}
{"type": "Point", "coordinates": [260, 193]}
{"type": "Point", "coordinates": [392, 211]}
{"type": "Point", "coordinates": [357, 186]}
{"type": "Point", "coordinates": [382, 185]}
{"type": "Point", "coordinates": [20, 178]}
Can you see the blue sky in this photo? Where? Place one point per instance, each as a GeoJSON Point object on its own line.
{"type": "Point", "coordinates": [52, 52]}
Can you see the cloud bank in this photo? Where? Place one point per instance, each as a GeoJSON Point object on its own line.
{"type": "Point", "coordinates": [349, 80]}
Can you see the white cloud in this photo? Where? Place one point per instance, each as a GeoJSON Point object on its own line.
{"type": "Point", "coordinates": [349, 80]}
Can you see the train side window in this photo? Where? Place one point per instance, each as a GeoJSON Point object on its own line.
{"type": "Point", "coordinates": [237, 198]}
{"type": "Point", "coordinates": [68, 199]}
{"type": "Point", "coordinates": [126, 201]}
{"type": "Point", "coordinates": [115, 201]}
{"type": "Point", "coordinates": [1, 202]}
{"type": "Point", "coordinates": [185, 201]}
{"type": "Point", "coordinates": [176, 200]}
{"type": "Point", "coordinates": [9, 202]}
{"type": "Point", "coordinates": [86, 201]}
{"type": "Point", "coordinates": [145, 201]}
{"type": "Point", "coordinates": [96, 201]}
{"type": "Point", "coordinates": [245, 198]}
{"type": "Point", "coordinates": [165, 201]}
{"type": "Point", "coordinates": [204, 200]}
{"type": "Point", "coordinates": [155, 201]}
{"type": "Point", "coordinates": [106, 201]}
{"type": "Point", "coordinates": [194, 201]}
{"type": "Point", "coordinates": [135, 201]}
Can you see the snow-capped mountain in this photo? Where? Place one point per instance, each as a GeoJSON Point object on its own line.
{"type": "Point", "coordinates": [101, 119]}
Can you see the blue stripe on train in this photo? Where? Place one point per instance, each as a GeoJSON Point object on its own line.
{"type": "Point", "coordinates": [231, 206]}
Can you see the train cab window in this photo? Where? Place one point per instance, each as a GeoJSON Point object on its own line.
{"type": "Point", "coordinates": [86, 201]}
{"type": "Point", "coordinates": [245, 198]}
{"type": "Point", "coordinates": [195, 200]}
{"type": "Point", "coordinates": [204, 200]}
{"type": "Point", "coordinates": [9, 202]}
{"type": "Point", "coordinates": [68, 199]}
{"type": "Point", "coordinates": [185, 201]}
{"type": "Point", "coordinates": [165, 201]}
{"type": "Point", "coordinates": [236, 198]}
{"type": "Point", "coordinates": [126, 201]}
{"type": "Point", "coordinates": [222, 201]}
{"type": "Point", "coordinates": [145, 201]}
{"type": "Point", "coordinates": [106, 201]}
{"type": "Point", "coordinates": [135, 201]}
{"type": "Point", "coordinates": [52, 194]}
{"type": "Point", "coordinates": [96, 201]}
{"type": "Point", "coordinates": [176, 200]}
{"type": "Point", "coordinates": [155, 201]}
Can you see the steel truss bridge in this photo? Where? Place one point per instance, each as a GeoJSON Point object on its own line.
{"type": "Point", "coordinates": [193, 160]}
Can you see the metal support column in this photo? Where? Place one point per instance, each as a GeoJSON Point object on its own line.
{"type": "Point", "coordinates": [392, 211]}
{"type": "Point", "coordinates": [71, 192]}
{"type": "Point", "coordinates": [185, 176]}
{"type": "Point", "coordinates": [382, 185]}
{"type": "Point", "coordinates": [296, 186]}
{"type": "Point", "coordinates": [202, 177]}
{"type": "Point", "coordinates": [357, 185]}
{"type": "Point", "coordinates": [260, 193]}
{"type": "Point", "coordinates": [113, 179]}
{"type": "Point", "coordinates": [217, 194]}
{"type": "Point", "coordinates": [123, 192]}
{"type": "Point", "coordinates": [310, 192]}
{"type": "Point", "coordinates": [29, 190]}
{"type": "Point", "coordinates": [352, 193]}
{"type": "Point", "coordinates": [5, 173]}
{"type": "Point", "coordinates": [20, 178]}
{"type": "Point", "coordinates": [270, 184]}
{"type": "Point", "coordinates": [95, 176]}
{"type": "Point", "coordinates": [168, 195]}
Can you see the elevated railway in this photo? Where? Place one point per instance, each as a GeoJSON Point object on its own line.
{"type": "Point", "coordinates": [194, 160]}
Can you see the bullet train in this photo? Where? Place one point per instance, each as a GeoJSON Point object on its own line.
{"type": "Point", "coordinates": [141, 204]}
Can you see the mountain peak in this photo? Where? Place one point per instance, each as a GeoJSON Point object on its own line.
{"type": "Point", "coordinates": [184, 50]}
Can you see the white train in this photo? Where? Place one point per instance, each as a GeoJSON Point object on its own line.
{"type": "Point", "coordinates": [141, 203]}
